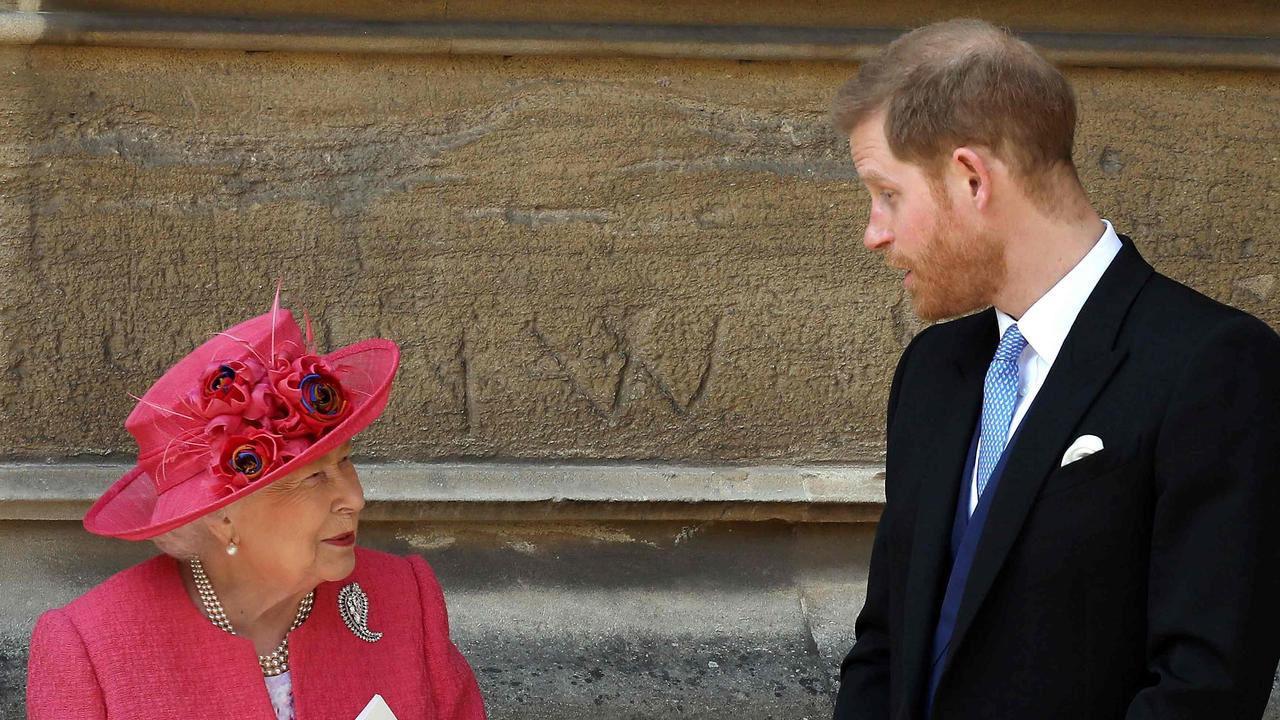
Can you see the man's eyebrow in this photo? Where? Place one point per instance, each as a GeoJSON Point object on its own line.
{"type": "Point", "coordinates": [871, 175]}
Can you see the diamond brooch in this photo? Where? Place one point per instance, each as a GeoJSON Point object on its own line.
{"type": "Point", "coordinates": [353, 606]}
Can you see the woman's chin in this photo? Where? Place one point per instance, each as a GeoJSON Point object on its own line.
{"type": "Point", "coordinates": [340, 563]}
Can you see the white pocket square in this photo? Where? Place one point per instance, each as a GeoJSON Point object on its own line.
{"type": "Point", "coordinates": [1084, 446]}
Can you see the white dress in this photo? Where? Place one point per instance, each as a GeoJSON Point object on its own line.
{"type": "Point", "coordinates": [280, 689]}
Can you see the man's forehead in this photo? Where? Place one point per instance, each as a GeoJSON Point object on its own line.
{"type": "Point", "coordinates": [871, 168]}
{"type": "Point", "coordinates": [870, 131]}
{"type": "Point", "coordinates": [869, 149]}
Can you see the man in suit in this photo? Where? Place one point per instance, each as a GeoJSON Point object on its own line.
{"type": "Point", "coordinates": [1083, 478]}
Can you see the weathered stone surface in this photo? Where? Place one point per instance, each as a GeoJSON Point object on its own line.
{"type": "Point", "coordinates": [13, 676]}
{"type": "Point", "coordinates": [595, 259]}
{"type": "Point", "coordinates": [494, 492]}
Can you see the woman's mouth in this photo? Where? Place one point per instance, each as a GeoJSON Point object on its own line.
{"type": "Point", "coordinates": [346, 539]}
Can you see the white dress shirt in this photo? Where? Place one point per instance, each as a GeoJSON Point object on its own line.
{"type": "Point", "coordinates": [1045, 326]}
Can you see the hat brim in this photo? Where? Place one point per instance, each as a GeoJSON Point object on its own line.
{"type": "Point", "coordinates": [131, 509]}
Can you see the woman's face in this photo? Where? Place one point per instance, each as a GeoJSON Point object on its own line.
{"type": "Point", "coordinates": [300, 530]}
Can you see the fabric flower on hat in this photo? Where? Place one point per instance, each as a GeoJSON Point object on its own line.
{"type": "Point", "coordinates": [313, 399]}
{"type": "Point", "coordinates": [291, 448]}
{"type": "Point", "coordinates": [264, 411]}
{"type": "Point", "coordinates": [245, 457]}
{"type": "Point", "coordinates": [229, 388]}
{"type": "Point", "coordinates": [222, 428]}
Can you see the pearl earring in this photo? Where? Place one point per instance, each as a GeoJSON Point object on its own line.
{"type": "Point", "coordinates": [232, 548]}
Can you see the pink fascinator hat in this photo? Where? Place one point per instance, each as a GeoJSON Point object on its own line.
{"type": "Point", "coordinates": [246, 408]}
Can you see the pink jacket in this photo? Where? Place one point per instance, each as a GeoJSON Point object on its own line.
{"type": "Point", "coordinates": [137, 647]}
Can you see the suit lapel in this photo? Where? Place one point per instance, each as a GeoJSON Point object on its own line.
{"type": "Point", "coordinates": [939, 462]}
{"type": "Point", "coordinates": [1086, 363]}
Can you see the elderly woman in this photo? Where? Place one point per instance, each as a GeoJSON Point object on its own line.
{"type": "Point", "coordinates": [262, 606]}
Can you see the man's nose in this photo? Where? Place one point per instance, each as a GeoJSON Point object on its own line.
{"type": "Point", "coordinates": [876, 236]}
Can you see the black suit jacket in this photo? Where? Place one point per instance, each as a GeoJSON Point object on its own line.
{"type": "Point", "coordinates": [1142, 581]}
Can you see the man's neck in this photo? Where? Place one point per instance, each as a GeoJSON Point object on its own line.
{"type": "Point", "coordinates": [1041, 252]}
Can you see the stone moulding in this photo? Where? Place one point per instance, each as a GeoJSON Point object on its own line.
{"type": "Point", "coordinates": [740, 42]}
{"type": "Point", "coordinates": [514, 491]}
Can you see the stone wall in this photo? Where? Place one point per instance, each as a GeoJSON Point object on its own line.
{"type": "Point", "coordinates": [582, 259]}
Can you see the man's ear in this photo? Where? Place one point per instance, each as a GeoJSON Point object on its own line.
{"type": "Point", "coordinates": [973, 170]}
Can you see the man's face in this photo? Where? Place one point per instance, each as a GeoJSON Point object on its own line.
{"type": "Point", "coordinates": [952, 266]}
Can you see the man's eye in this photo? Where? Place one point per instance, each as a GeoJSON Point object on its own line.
{"type": "Point", "coordinates": [887, 195]}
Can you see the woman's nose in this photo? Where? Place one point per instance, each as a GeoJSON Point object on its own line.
{"type": "Point", "coordinates": [351, 493]}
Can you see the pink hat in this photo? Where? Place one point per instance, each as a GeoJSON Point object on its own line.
{"type": "Point", "coordinates": [243, 410]}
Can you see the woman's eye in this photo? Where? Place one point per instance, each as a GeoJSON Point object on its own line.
{"type": "Point", "coordinates": [887, 195]}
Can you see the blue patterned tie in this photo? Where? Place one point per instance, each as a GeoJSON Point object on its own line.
{"type": "Point", "coordinates": [999, 398]}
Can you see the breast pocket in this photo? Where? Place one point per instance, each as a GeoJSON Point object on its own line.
{"type": "Point", "coordinates": [1106, 465]}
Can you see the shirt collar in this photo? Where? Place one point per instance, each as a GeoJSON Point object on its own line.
{"type": "Point", "coordinates": [1046, 323]}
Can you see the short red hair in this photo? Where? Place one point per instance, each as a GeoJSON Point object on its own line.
{"type": "Point", "coordinates": [966, 82]}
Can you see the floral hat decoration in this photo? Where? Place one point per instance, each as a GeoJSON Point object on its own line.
{"type": "Point", "coordinates": [248, 407]}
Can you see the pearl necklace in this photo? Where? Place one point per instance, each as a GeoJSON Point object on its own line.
{"type": "Point", "coordinates": [277, 661]}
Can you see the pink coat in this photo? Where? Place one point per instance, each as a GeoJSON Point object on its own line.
{"type": "Point", "coordinates": [137, 647]}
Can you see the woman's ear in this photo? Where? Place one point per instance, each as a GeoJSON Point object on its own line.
{"type": "Point", "coordinates": [221, 527]}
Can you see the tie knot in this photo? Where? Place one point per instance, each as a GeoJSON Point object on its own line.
{"type": "Point", "coordinates": [1011, 345]}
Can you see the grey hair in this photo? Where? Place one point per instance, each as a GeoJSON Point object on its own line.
{"type": "Point", "coordinates": [190, 541]}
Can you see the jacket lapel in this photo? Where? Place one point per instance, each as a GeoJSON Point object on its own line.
{"type": "Point", "coordinates": [1088, 360]}
{"type": "Point", "coordinates": [190, 642]}
{"type": "Point", "coordinates": [939, 462]}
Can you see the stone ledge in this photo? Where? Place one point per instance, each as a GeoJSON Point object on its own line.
{"type": "Point", "coordinates": [737, 42]}
{"type": "Point", "coordinates": [509, 491]}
